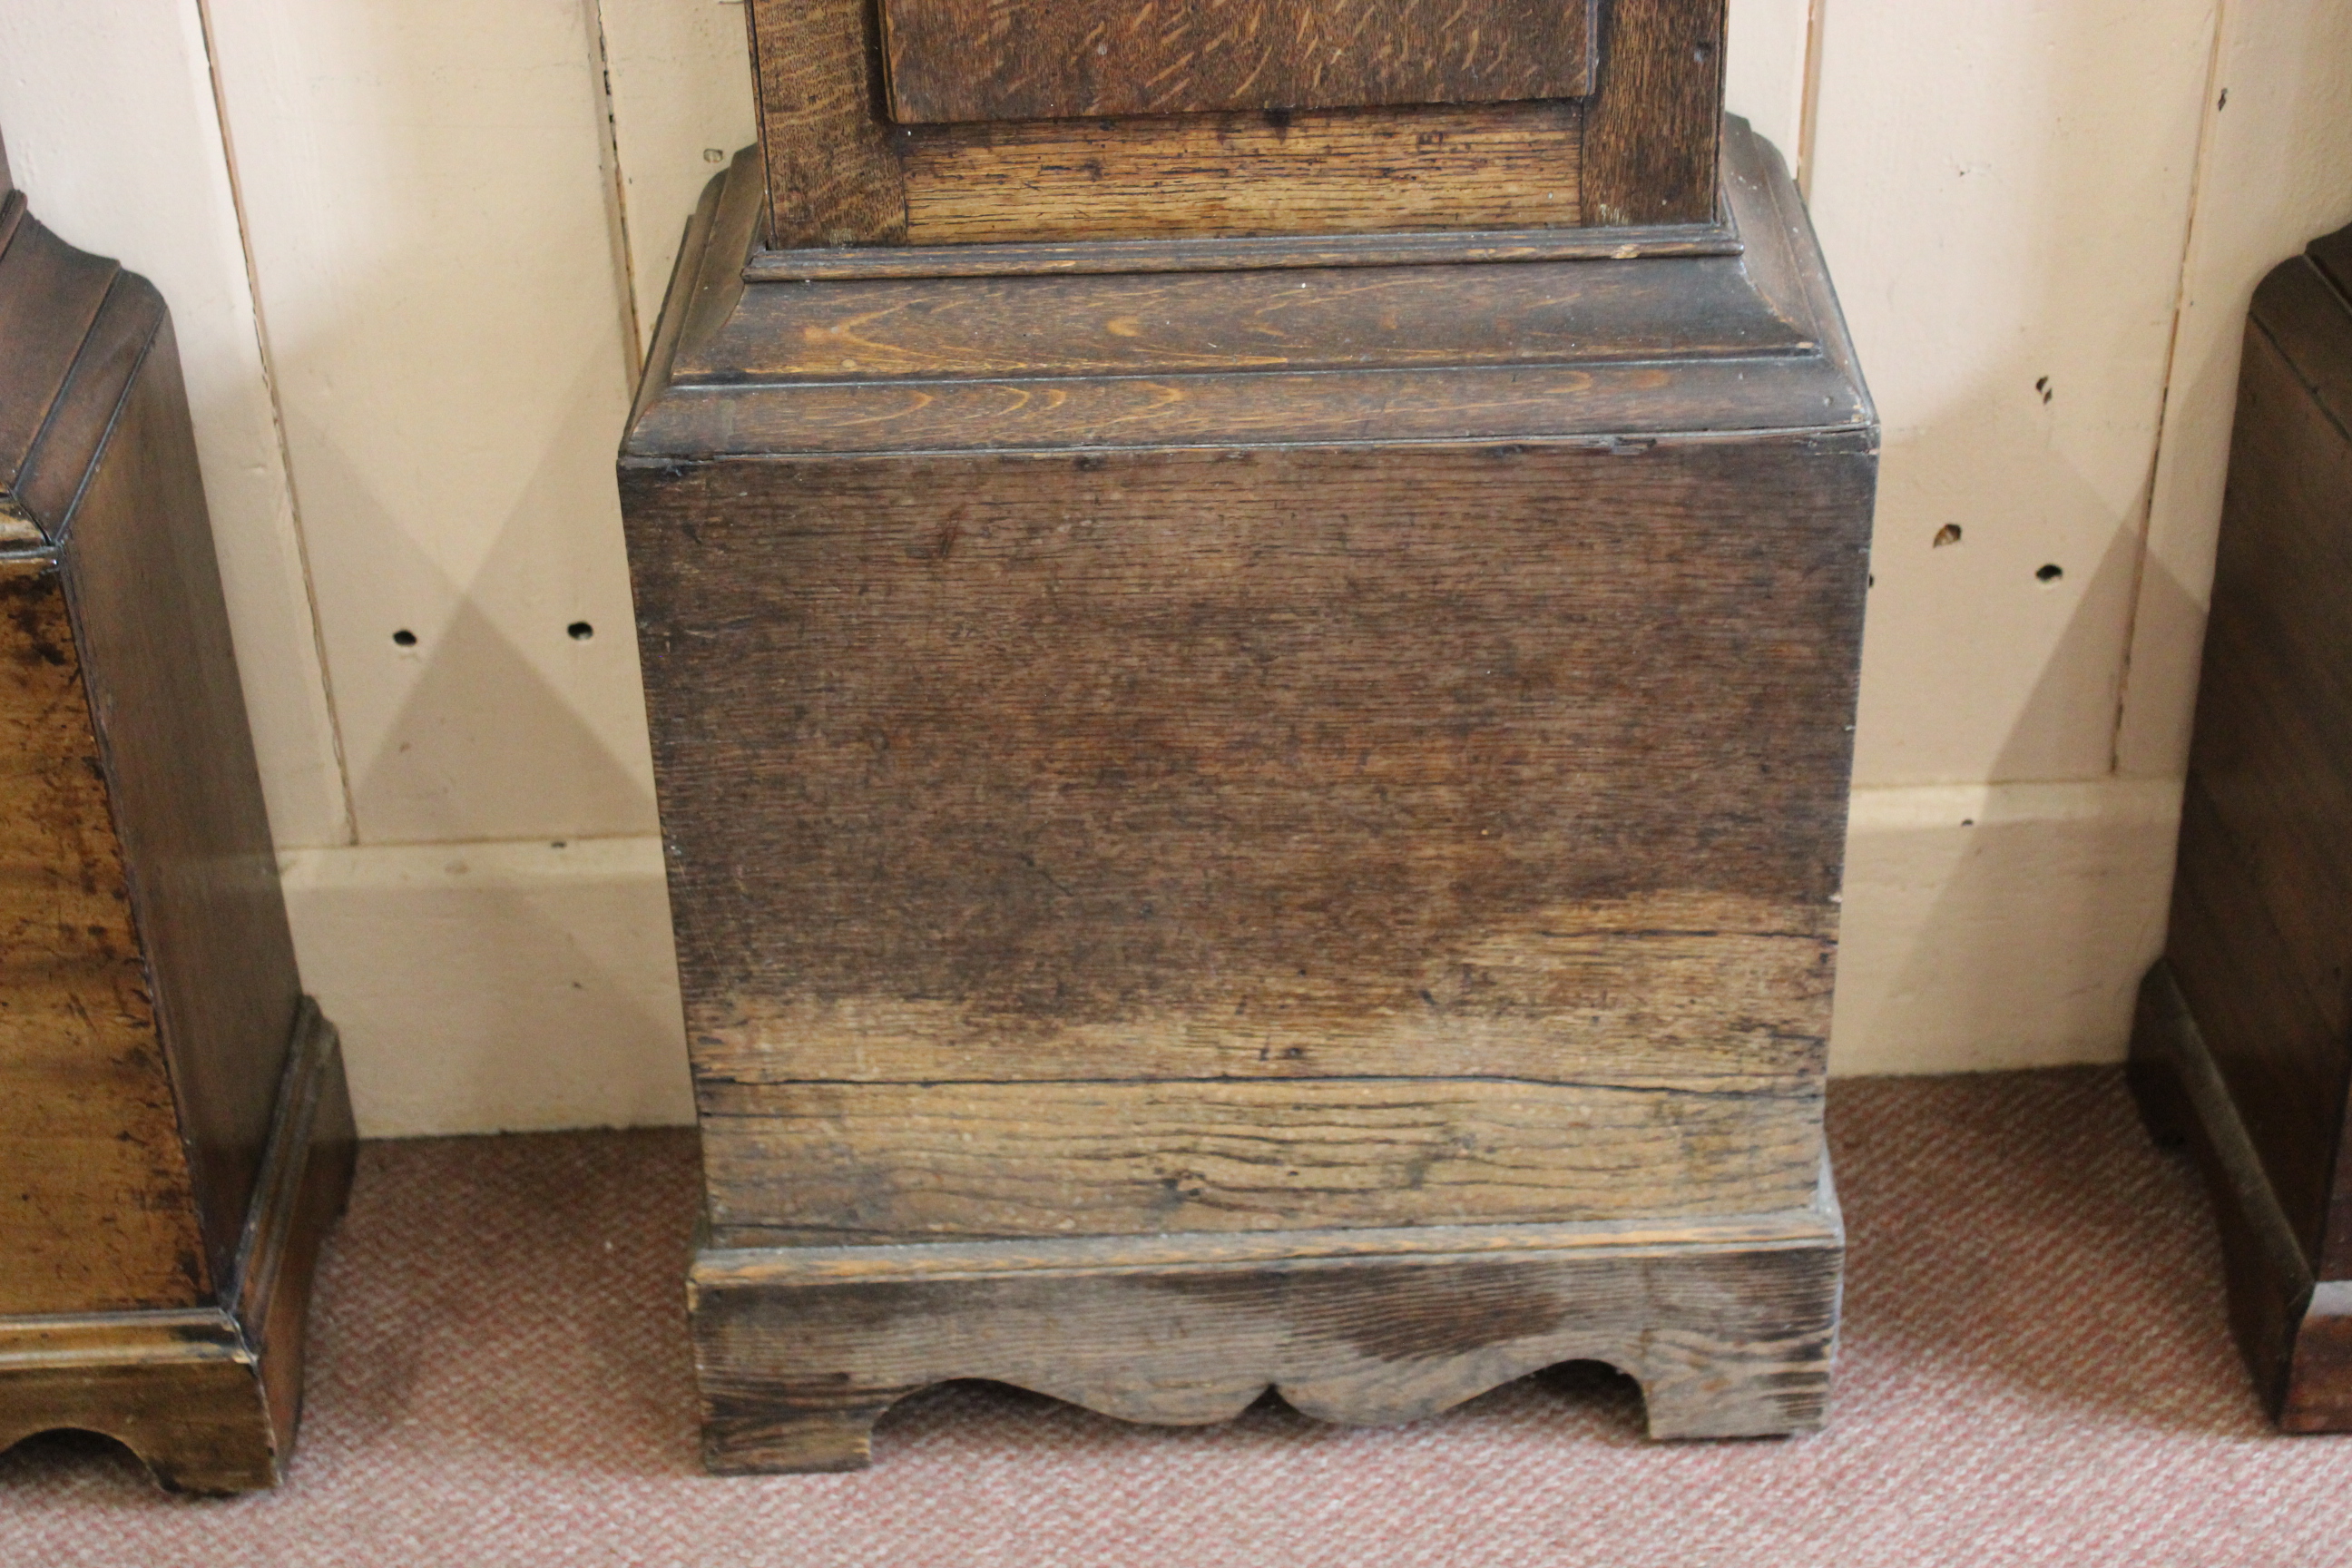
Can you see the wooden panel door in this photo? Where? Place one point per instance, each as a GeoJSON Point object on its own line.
{"type": "Point", "coordinates": [1052, 59]}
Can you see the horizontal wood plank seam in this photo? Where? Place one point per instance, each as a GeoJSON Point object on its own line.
{"type": "Point", "coordinates": [1802, 1083]}
{"type": "Point", "coordinates": [2320, 404]}
{"type": "Point", "coordinates": [1777, 1230]}
{"type": "Point", "coordinates": [812, 1274]}
{"type": "Point", "coordinates": [737, 380]}
{"type": "Point", "coordinates": [1242, 253]}
{"type": "Point", "coordinates": [1811, 434]}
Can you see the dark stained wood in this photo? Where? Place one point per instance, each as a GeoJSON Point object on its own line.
{"type": "Point", "coordinates": [1230, 254]}
{"type": "Point", "coordinates": [1337, 172]}
{"type": "Point", "coordinates": [49, 294]}
{"type": "Point", "coordinates": [2332, 255]}
{"type": "Point", "coordinates": [1599, 321]}
{"type": "Point", "coordinates": [2270, 853]}
{"type": "Point", "coordinates": [96, 1203]}
{"type": "Point", "coordinates": [1057, 59]}
{"type": "Point", "coordinates": [1507, 406]}
{"type": "Point", "coordinates": [152, 1007]}
{"type": "Point", "coordinates": [2303, 313]}
{"type": "Point", "coordinates": [2250, 1011]}
{"type": "Point", "coordinates": [1654, 122]}
{"type": "Point", "coordinates": [2183, 1098]}
{"type": "Point", "coordinates": [1586, 313]}
{"type": "Point", "coordinates": [161, 676]}
{"type": "Point", "coordinates": [1729, 1328]}
{"type": "Point", "coordinates": [1461, 118]}
{"type": "Point", "coordinates": [1192, 758]}
{"type": "Point", "coordinates": [832, 177]}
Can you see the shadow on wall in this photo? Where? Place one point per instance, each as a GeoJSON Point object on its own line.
{"type": "Point", "coordinates": [496, 987]}
{"type": "Point", "coordinates": [2006, 924]}
{"type": "Point", "coordinates": [473, 740]}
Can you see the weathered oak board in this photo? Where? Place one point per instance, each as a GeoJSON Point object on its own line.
{"type": "Point", "coordinates": [1124, 767]}
{"type": "Point", "coordinates": [1050, 59]}
{"type": "Point", "coordinates": [1727, 1326]}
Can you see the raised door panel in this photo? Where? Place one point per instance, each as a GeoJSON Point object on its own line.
{"type": "Point", "coordinates": [952, 60]}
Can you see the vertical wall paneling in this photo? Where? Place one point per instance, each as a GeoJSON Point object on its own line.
{"type": "Point", "coordinates": [453, 212]}
{"type": "Point", "coordinates": [112, 128]}
{"type": "Point", "coordinates": [432, 237]}
{"type": "Point", "coordinates": [680, 79]}
{"type": "Point", "coordinates": [2003, 191]}
{"type": "Point", "coordinates": [1764, 68]}
{"type": "Point", "coordinates": [2277, 173]}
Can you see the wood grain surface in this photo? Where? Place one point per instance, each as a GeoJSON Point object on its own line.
{"type": "Point", "coordinates": [1389, 115]}
{"type": "Point", "coordinates": [1052, 60]}
{"type": "Point", "coordinates": [1654, 122]}
{"type": "Point", "coordinates": [1335, 172]}
{"type": "Point", "coordinates": [806, 1163]}
{"type": "Point", "coordinates": [1147, 765]}
{"type": "Point", "coordinates": [2244, 1039]}
{"type": "Point", "coordinates": [96, 1206]}
{"type": "Point", "coordinates": [2260, 940]}
{"type": "Point", "coordinates": [208, 1396]}
{"type": "Point", "coordinates": [1230, 253]}
{"type": "Point", "coordinates": [832, 177]}
{"type": "Point", "coordinates": [1739, 343]}
{"type": "Point", "coordinates": [1728, 1338]}
{"type": "Point", "coordinates": [49, 294]}
{"type": "Point", "coordinates": [174, 1129]}
{"type": "Point", "coordinates": [1585, 313]}
{"type": "Point", "coordinates": [2296, 1355]}
{"type": "Point", "coordinates": [161, 670]}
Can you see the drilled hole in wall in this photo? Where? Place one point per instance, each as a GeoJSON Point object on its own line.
{"type": "Point", "coordinates": [2050, 573]}
{"type": "Point", "coordinates": [403, 637]}
{"type": "Point", "coordinates": [580, 631]}
{"type": "Point", "coordinates": [1947, 534]}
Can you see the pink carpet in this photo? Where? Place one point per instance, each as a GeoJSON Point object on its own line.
{"type": "Point", "coordinates": [2034, 1371]}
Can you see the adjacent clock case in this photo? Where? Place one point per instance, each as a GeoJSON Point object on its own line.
{"type": "Point", "coordinates": [175, 1136]}
{"type": "Point", "coordinates": [1251, 677]}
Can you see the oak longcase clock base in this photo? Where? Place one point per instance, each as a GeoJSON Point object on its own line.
{"type": "Point", "coordinates": [1255, 813]}
{"type": "Point", "coordinates": [1728, 1324]}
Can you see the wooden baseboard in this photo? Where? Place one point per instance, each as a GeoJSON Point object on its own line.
{"type": "Point", "coordinates": [1728, 1324]}
{"type": "Point", "coordinates": [2296, 1331]}
{"type": "Point", "coordinates": [209, 1397]}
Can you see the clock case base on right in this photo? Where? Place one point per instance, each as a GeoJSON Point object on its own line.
{"type": "Point", "coordinates": [2242, 1045]}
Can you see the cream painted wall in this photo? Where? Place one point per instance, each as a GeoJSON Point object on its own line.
{"type": "Point", "coordinates": [415, 248]}
{"type": "Point", "coordinates": [108, 114]}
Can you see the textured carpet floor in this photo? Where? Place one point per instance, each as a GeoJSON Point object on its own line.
{"type": "Point", "coordinates": [2034, 1371]}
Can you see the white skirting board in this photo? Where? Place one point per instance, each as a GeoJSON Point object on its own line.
{"type": "Point", "coordinates": [1991, 926]}
{"type": "Point", "coordinates": [496, 987]}
{"type": "Point", "coordinates": [511, 987]}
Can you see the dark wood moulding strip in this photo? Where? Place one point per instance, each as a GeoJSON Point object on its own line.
{"type": "Point", "coordinates": [1239, 254]}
